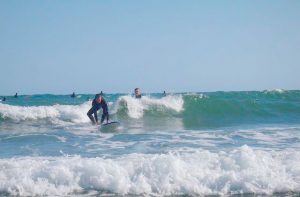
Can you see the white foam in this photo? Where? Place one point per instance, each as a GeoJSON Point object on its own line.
{"type": "Point", "coordinates": [276, 90]}
{"type": "Point", "coordinates": [55, 113]}
{"type": "Point", "coordinates": [137, 107]}
{"type": "Point", "coordinates": [77, 113]}
{"type": "Point", "coordinates": [242, 170]}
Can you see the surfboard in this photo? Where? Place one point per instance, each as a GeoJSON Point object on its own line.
{"type": "Point", "coordinates": [110, 123]}
{"type": "Point", "coordinates": [110, 126]}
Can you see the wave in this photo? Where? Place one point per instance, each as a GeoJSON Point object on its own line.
{"type": "Point", "coordinates": [194, 110]}
{"type": "Point", "coordinates": [55, 113]}
{"type": "Point", "coordinates": [242, 170]}
{"type": "Point", "coordinates": [135, 108]}
{"type": "Point", "coordinates": [224, 108]}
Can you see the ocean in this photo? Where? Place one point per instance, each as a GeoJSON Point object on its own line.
{"type": "Point", "coordinates": [190, 144]}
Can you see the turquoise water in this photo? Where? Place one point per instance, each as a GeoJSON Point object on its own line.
{"type": "Point", "coordinates": [179, 144]}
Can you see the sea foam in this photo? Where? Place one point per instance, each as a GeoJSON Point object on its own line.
{"type": "Point", "coordinates": [137, 107]}
{"type": "Point", "coordinates": [242, 170]}
{"type": "Point", "coordinates": [69, 113]}
{"type": "Point", "coordinates": [77, 113]}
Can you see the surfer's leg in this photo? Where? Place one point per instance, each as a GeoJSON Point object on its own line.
{"type": "Point", "coordinates": [104, 115]}
{"type": "Point", "coordinates": [89, 114]}
{"type": "Point", "coordinates": [107, 117]}
{"type": "Point", "coordinates": [102, 118]}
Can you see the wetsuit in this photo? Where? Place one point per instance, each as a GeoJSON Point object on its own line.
{"type": "Point", "coordinates": [95, 107]}
{"type": "Point", "coordinates": [138, 96]}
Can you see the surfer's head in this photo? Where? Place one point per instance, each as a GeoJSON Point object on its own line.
{"type": "Point", "coordinates": [137, 93]}
{"type": "Point", "coordinates": [98, 98]}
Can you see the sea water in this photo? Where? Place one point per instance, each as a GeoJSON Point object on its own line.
{"type": "Point", "coordinates": [217, 143]}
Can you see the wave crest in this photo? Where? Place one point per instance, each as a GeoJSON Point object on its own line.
{"type": "Point", "coordinates": [135, 108]}
{"type": "Point", "coordinates": [55, 113]}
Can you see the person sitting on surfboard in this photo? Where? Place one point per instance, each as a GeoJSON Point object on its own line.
{"type": "Point", "coordinates": [98, 103]}
{"type": "Point", "coordinates": [137, 93]}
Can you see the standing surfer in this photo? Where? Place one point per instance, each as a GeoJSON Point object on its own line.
{"type": "Point", "coordinates": [98, 103]}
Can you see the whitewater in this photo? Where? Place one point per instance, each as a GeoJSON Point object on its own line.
{"type": "Point", "coordinates": [209, 143]}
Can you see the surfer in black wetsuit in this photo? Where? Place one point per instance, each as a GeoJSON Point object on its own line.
{"type": "Point", "coordinates": [137, 93]}
{"type": "Point", "coordinates": [73, 95]}
{"type": "Point", "coordinates": [98, 103]}
{"type": "Point", "coordinates": [16, 95]}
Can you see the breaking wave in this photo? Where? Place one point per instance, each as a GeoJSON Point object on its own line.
{"type": "Point", "coordinates": [209, 109]}
{"type": "Point", "coordinates": [55, 113]}
{"type": "Point", "coordinates": [242, 170]}
{"type": "Point", "coordinates": [135, 108]}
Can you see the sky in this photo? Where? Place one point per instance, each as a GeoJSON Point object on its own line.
{"type": "Point", "coordinates": [178, 46]}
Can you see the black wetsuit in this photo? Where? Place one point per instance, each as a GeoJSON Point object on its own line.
{"type": "Point", "coordinates": [95, 107]}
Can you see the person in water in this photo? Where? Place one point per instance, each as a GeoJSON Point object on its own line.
{"type": "Point", "coordinates": [4, 99]}
{"type": "Point", "coordinates": [16, 95]}
{"type": "Point", "coordinates": [137, 93]}
{"type": "Point", "coordinates": [73, 95]}
{"type": "Point", "coordinates": [98, 103]}
{"type": "Point", "coordinates": [164, 94]}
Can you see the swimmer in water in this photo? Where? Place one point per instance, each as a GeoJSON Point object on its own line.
{"type": "Point", "coordinates": [137, 93]}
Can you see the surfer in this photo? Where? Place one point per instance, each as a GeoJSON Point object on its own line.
{"type": "Point", "coordinates": [4, 99]}
{"type": "Point", "coordinates": [137, 93]}
{"type": "Point", "coordinates": [98, 103]}
{"type": "Point", "coordinates": [16, 95]}
{"type": "Point", "coordinates": [164, 93]}
{"type": "Point", "coordinates": [73, 95]}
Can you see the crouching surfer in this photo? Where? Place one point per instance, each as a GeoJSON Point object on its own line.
{"type": "Point", "coordinates": [98, 103]}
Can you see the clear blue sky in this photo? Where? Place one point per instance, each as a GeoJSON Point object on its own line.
{"type": "Point", "coordinates": [114, 46]}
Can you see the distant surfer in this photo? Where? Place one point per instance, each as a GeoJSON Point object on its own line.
{"type": "Point", "coordinates": [137, 93]}
{"type": "Point", "coordinates": [98, 103]}
{"type": "Point", "coordinates": [16, 95]}
{"type": "Point", "coordinates": [164, 94]}
{"type": "Point", "coordinates": [73, 95]}
{"type": "Point", "coordinates": [3, 99]}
